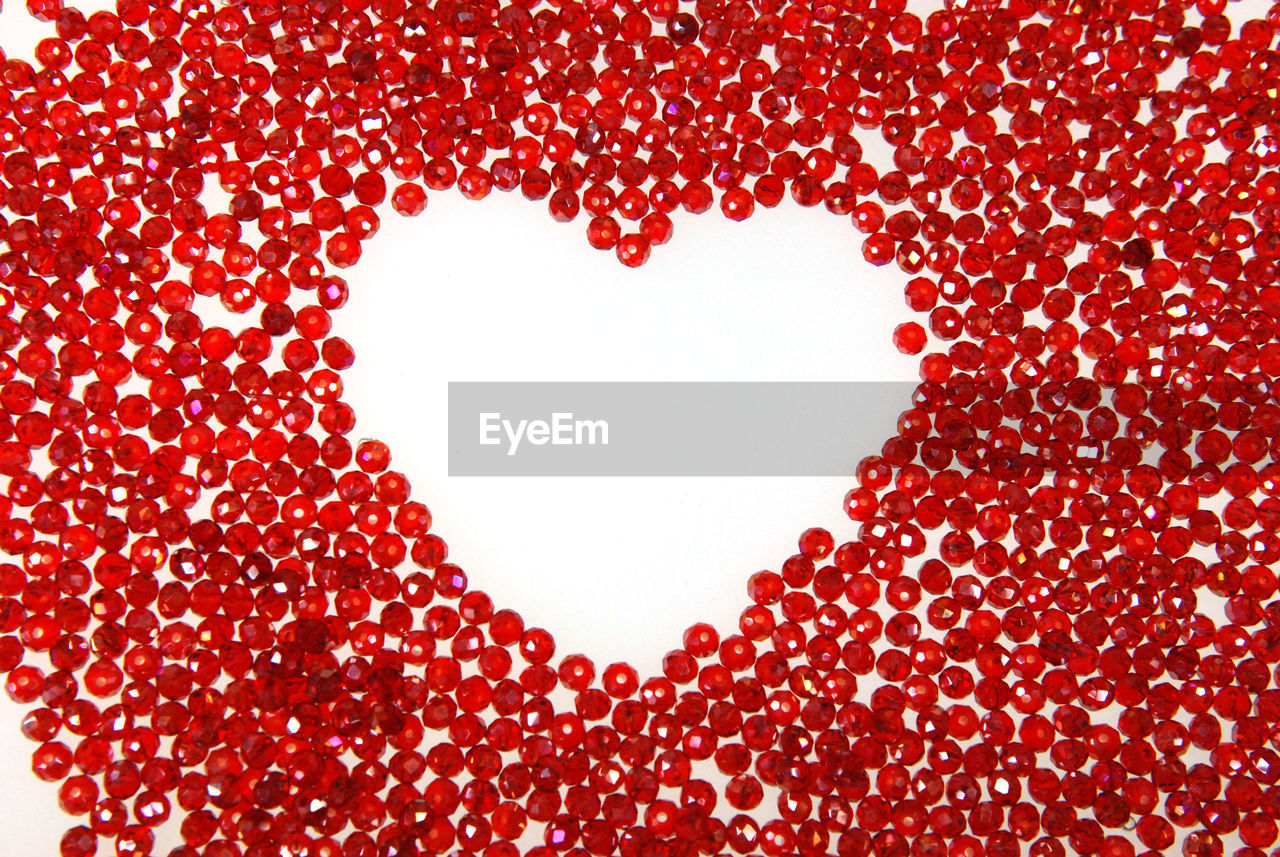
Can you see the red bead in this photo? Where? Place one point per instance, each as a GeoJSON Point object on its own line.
{"type": "Point", "coordinates": [909, 338]}
{"type": "Point", "coordinates": [633, 250]}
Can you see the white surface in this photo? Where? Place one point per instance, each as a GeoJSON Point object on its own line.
{"type": "Point", "coordinates": [616, 568]}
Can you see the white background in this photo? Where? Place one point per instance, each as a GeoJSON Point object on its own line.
{"type": "Point", "coordinates": [615, 567]}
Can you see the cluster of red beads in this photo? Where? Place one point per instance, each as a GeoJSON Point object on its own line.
{"type": "Point", "coordinates": [224, 611]}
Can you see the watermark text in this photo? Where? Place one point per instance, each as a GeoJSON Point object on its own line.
{"type": "Point", "coordinates": [563, 429]}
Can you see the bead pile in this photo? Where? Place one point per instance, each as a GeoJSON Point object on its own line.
{"type": "Point", "coordinates": [1057, 629]}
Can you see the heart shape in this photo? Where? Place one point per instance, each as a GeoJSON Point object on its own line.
{"type": "Point", "coordinates": [1095, 593]}
{"type": "Point", "coordinates": [715, 305]}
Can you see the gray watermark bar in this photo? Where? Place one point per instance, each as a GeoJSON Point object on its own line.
{"type": "Point", "coordinates": [683, 428]}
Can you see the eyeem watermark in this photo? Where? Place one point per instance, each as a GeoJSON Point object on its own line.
{"type": "Point", "coordinates": [679, 428]}
{"type": "Point", "coordinates": [561, 430]}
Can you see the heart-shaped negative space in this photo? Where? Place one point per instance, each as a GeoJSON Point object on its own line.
{"type": "Point", "coordinates": [614, 567]}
